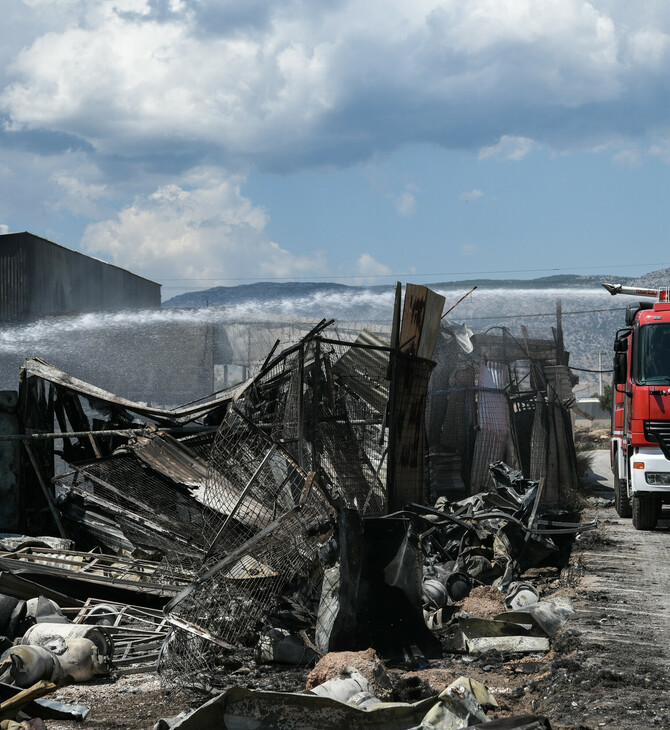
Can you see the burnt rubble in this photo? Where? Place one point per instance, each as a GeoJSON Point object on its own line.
{"type": "Point", "coordinates": [351, 494]}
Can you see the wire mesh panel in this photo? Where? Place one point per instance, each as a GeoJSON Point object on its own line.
{"type": "Point", "coordinates": [349, 390]}
{"type": "Point", "coordinates": [122, 481]}
{"type": "Point", "coordinates": [152, 509]}
{"type": "Point", "coordinates": [237, 594]}
{"type": "Point", "coordinates": [251, 480]}
{"type": "Point", "coordinates": [155, 508]}
{"type": "Point", "coordinates": [325, 402]}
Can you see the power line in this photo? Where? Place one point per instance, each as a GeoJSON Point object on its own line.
{"type": "Point", "coordinates": [543, 314]}
{"type": "Point", "coordinates": [414, 275]}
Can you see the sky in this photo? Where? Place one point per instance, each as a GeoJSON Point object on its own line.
{"type": "Point", "coordinates": [209, 142]}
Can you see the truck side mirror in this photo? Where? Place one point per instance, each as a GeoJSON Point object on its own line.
{"type": "Point", "coordinates": [620, 362]}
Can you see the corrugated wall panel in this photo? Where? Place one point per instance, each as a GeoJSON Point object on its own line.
{"type": "Point", "coordinates": [40, 277]}
{"type": "Point", "coordinates": [12, 283]}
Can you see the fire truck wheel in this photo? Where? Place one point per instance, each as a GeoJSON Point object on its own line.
{"type": "Point", "coordinates": [621, 499]}
{"type": "Point", "coordinates": [645, 512]}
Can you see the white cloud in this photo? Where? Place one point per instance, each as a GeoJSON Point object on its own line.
{"type": "Point", "coordinates": [470, 249]}
{"type": "Point", "coordinates": [123, 103]}
{"type": "Point", "coordinates": [405, 204]}
{"type": "Point", "coordinates": [203, 228]}
{"type": "Point", "coordinates": [4, 228]}
{"type": "Point", "coordinates": [35, 186]}
{"type": "Point", "coordinates": [77, 194]}
{"type": "Point", "coordinates": [508, 148]}
{"type": "Point", "coordinates": [629, 156]}
{"type": "Point", "coordinates": [387, 183]}
{"type": "Point", "coordinates": [648, 48]}
{"type": "Point", "coordinates": [297, 84]}
{"type": "Point", "coordinates": [119, 81]}
{"type": "Point", "coordinates": [367, 266]}
{"type": "Point", "coordinates": [471, 196]}
{"type": "Point", "coordinates": [661, 150]}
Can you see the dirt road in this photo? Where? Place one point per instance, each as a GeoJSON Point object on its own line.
{"type": "Point", "coordinates": [614, 665]}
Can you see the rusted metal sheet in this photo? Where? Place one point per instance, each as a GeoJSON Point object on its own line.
{"type": "Point", "coordinates": [35, 412]}
{"type": "Point", "coordinates": [493, 424]}
{"type": "Point", "coordinates": [422, 314]}
{"type": "Point", "coordinates": [81, 572]}
{"type": "Point", "coordinates": [41, 369]}
{"type": "Point", "coordinates": [10, 455]}
{"type": "Point", "coordinates": [20, 587]}
{"type": "Point", "coordinates": [407, 431]}
{"type": "Point", "coordinates": [135, 498]}
{"type": "Point", "coordinates": [363, 370]}
{"type": "Point", "coordinates": [13, 284]}
{"type": "Point", "coordinates": [39, 277]}
{"type": "Point", "coordinates": [171, 458]}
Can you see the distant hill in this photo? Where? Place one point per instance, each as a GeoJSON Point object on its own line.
{"type": "Point", "coordinates": [266, 291]}
{"type": "Point", "coordinates": [654, 279]}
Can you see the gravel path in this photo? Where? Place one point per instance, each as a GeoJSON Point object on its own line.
{"type": "Point", "coordinates": [617, 674]}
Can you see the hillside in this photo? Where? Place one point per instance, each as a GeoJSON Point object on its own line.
{"type": "Point", "coordinates": [270, 291]}
{"type": "Point", "coordinates": [265, 291]}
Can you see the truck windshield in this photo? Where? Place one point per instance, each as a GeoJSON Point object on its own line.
{"type": "Point", "coordinates": [654, 354]}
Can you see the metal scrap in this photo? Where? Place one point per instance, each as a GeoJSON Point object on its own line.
{"type": "Point", "coordinates": [352, 493]}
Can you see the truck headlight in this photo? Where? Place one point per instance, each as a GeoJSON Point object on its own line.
{"type": "Point", "coordinates": [661, 478]}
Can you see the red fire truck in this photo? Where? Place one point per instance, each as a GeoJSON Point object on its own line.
{"type": "Point", "coordinates": [640, 446]}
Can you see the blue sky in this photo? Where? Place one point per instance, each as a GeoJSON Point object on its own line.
{"type": "Point", "coordinates": [210, 142]}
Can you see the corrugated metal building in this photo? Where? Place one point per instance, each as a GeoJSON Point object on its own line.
{"type": "Point", "coordinates": [39, 277]}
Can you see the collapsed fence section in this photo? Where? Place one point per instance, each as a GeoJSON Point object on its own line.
{"type": "Point", "coordinates": [325, 402]}
{"type": "Point", "coordinates": [320, 408]}
{"type": "Point", "coordinates": [236, 595]}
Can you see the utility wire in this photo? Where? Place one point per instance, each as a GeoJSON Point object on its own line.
{"type": "Point", "coordinates": [544, 314]}
{"type": "Point", "coordinates": [391, 276]}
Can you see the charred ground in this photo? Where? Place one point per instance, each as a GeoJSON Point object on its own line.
{"type": "Point", "coordinates": [608, 667]}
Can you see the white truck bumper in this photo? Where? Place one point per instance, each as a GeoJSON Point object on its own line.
{"type": "Point", "coordinates": [652, 473]}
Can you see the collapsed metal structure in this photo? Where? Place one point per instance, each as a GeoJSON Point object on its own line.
{"type": "Point", "coordinates": [496, 397]}
{"type": "Point", "coordinates": [282, 501]}
{"type": "Point", "coordinates": [303, 441]}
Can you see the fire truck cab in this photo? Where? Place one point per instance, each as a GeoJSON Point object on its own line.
{"type": "Point", "coordinates": [640, 445]}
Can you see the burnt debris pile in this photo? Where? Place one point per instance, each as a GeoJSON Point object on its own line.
{"type": "Point", "coordinates": [351, 494]}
